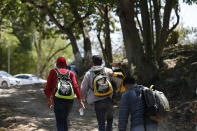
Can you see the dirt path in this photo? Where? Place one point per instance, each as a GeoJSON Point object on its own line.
{"type": "Point", "coordinates": [24, 109]}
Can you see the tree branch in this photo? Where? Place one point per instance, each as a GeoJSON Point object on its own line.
{"type": "Point", "coordinates": [99, 37]}
{"type": "Point", "coordinates": [49, 12]}
{"type": "Point", "coordinates": [57, 51]}
{"type": "Point", "coordinates": [51, 49]}
{"type": "Point", "coordinates": [178, 19]}
{"type": "Point", "coordinates": [35, 44]}
{"type": "Point", "coordinates": [151, 21]}
{"type": "Point", "coordinates": [167, 14]}
{"type": "Point", "coordinates": [137, 18]}
{"type": "Point", "coordinates": [49, 58]}
{"type": "Point", "coordinates": [33, 3]}
{"type": "Point", "coordinates": [40, 42]}
{"type": "Point", "coordinates": [52, 17]}
{"type": "Point", "coordinates": [164, 31]}
{"type": "Point", "coordinates": [146, 24]}
{"type": "Point", "coordinates": [78, 20]}
{"type": "Point", "coordinates": [100, 10]}
{"type": "Point", "coordinates": [157, 19]}
{"type": "Point", "coordinates": [138, 21]}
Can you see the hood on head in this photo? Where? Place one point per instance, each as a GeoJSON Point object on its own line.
{"type": "Point", "coordinates": [61, 62]}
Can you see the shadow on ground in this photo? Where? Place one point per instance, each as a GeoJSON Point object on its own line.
{"type": "Point", "coordinates": [24, 108]}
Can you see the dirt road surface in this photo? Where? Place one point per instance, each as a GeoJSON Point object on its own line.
{"type": "Point", "coordinates": [25, 109]}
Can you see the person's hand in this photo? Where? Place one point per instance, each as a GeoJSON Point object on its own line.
{"type": "Point", "coordinates": [81, 104]}
{"type": "Point", "coordinates": [49, 103]}
{"type": "Point", "coordinates": [111, 73]}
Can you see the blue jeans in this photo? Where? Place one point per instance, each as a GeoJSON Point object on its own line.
{"type": "Point", "coordinates": [149, 127]}
{"type": "Point", "coordinates": [62, 108]}
{"type": "Point", "coordinates": [104, 112]}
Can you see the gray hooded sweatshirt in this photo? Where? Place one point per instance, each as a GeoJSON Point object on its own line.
{"type": "Point", "coordinates": [87, 84]}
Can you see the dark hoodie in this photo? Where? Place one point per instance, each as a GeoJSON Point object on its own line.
{"type": "Point", "coordinates": [52, 79]}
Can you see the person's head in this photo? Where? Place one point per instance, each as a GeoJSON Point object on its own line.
{"type": "Point", "coordinates": [61, 62]}
{"type": "Point", "coordinates": [128, 82]}
{"type": "Point", "coordinates": [97, 60]}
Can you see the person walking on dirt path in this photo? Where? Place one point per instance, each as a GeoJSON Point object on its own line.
{"type": "Point", "coordinates": [96, 88]}
{"type": "Point", "coordinates": [133, 105]}
{"type": "Point", "coordinates": [118, 87]}
{"type": "Point", "coordinates": [62, 86]}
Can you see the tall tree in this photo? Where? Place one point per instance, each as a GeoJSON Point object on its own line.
{"type": "Point", "coordinates": [70, 18]}
{"type": "Point", "coordinates": [103, 26]}
{"type": "Point", "coordinates": [143, 48]}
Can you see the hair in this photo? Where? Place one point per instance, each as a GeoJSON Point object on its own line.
{"type": "Point", "coordinates": [97, 60]}
{"type": "Point", "coordinates": [129, 80]}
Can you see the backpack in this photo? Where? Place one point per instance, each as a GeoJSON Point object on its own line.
{"type": "Point", "coordinates": [120, 75]}
{"type": "Point", "coordinates": [64, 88]}
{"type": "Point", "coordinates": [157, 105]}
{"type": "Point", "coordinates": [101, 84]}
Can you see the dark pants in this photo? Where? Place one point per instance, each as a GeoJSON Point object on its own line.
{"type": "Point", "coordinates": [114, 91]}
{"type": "Point", "coordinates": [62, 109]}
{"type": "Point", "coordinates": [104, 112]}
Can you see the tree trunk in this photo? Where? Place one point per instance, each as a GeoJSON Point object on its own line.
{"type": "Point", "coordinates": [145, 69]}
{"type": "Point", "coordinates": [147, 34]}
{"type": "Point", "coordinates": [81, 66]}
{"type": "Point", "coordinates": [108, 46]}
{"type": "Point", "coordinates": [78, 58]}
{"type": "Point", "coordinates": [86, 39]}
{"type": "Point", "coordinates": [39, 55]}
{"type": "Point", "coordinates": [164, 31]}
{"type": "Point", "coordinates": [107, 49]}
{"type": "Point", "coordinates": [87, 47]}
{"type": "Point", "coordinates": [157, 7]}
{"type": "Point", "coordinates": [38, 47]}
{"type": "Point", "coordinates": [101, 43]}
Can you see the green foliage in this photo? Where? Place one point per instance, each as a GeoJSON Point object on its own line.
{"type": "Point", "coordinates": [190, 2]}
{"type": "Point", "coordinates": [188, 35]}
{"type": "Point", "coordinates": [24, 34]}
{"type": "Point", "coordinates": [20, 20]}
{"type": "Point", "coordinates": [21, 61]}
{"type": "Point", "coordinates": [25, 61]}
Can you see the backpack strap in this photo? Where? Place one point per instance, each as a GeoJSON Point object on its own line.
{"type": "Point", "coordinates": [57, 71]}
{"type": "Point", "coordinates": [96, 73]}
{"type": "Point", "coordinates": [67, 75]}
{"type": "Point", "coordinates": [143, 99]}
{"type": "Point", "coordinates": [99, 72]}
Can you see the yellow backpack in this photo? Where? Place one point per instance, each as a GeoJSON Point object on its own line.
{"type": "Point", "coordinates": [101, 84]}
{"type": "Point", "coordinates": [121, 76]}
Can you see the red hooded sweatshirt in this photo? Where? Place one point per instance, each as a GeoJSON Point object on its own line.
{"type": "Point", "coordinates": [52, 79]}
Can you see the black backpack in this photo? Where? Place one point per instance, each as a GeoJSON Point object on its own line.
{"type": "Point", "coordinates": [64, 88]}
{"type": "Point", "coordinates": [157, 105]}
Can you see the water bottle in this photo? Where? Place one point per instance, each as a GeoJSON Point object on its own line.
{"type": "Point", "coordinates": [81, 112]}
